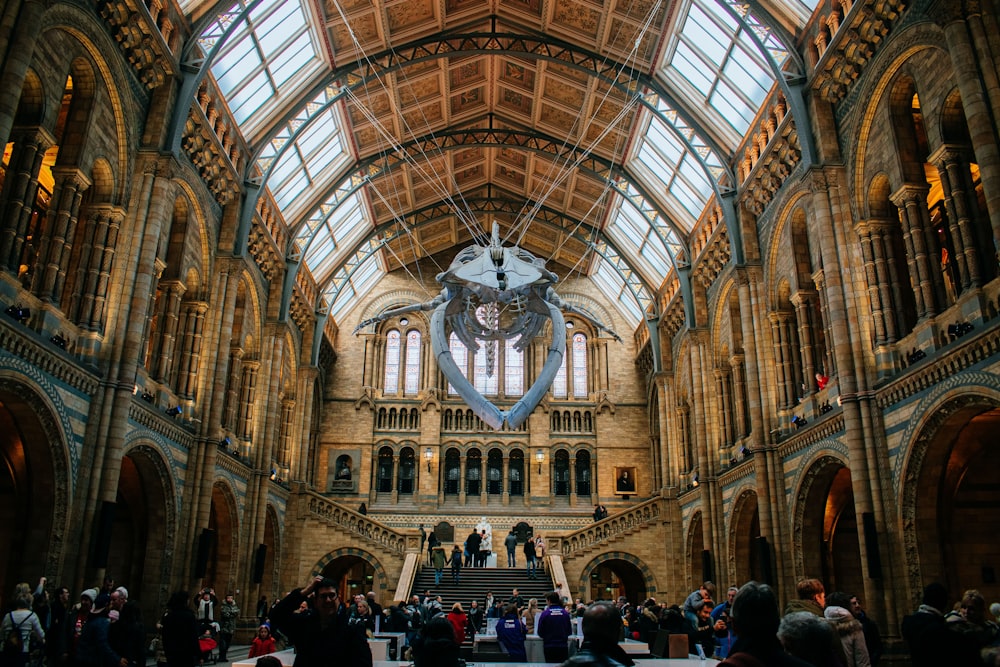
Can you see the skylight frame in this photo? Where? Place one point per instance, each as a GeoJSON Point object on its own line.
{"type": "Point", "coordinates": [736, 52]}
{"type": "Point", "coordinates": [266, 61]}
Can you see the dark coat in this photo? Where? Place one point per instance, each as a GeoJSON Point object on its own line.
{"type": "Point", "coordinates": [318, 646]}
{"type": "Point", "coordinates": [180, 638]}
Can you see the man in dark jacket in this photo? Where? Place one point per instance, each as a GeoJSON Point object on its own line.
{"type": "Point", "coordinates": [322, 635]}
{"type": "Point", "coordinates": [602, 625]}
{"type": "Point", "coordinates": [472, 543]}
{"type": "Point", "coordinates": [553, 626]}
{"type": "Point", "coordinates": [931, 644]}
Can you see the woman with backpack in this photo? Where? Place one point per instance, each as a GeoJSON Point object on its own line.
{"type": "Point", "coordinates": [17, 629]}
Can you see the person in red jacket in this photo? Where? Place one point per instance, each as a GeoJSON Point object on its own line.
{"type": "Point", "coordinates": [459, 621]}
{"type": "Point", "coordinates": [263, 643]}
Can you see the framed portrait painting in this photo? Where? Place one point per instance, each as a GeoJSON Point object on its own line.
{"type": "Point", "coordinates": [625, 480]}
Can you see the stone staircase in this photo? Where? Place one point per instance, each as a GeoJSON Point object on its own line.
{"type": "Point", "coordinates": [476, 581]}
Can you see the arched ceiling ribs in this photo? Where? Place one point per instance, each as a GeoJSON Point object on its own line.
{"type": "Point", "coordinates": [620, 180]}
{"type": "Point", "coordinates": [647, 90]}
{"type": "Point", "coordinates": [549, 218]}
{"type": "Point", "coordinates": [776, 46]}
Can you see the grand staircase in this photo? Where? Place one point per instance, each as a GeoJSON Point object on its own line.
{"type": "Point", "coordinates": [476, 581]}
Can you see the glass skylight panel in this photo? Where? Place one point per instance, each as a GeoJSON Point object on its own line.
{"type": "Point", "coordinates": [715, 58]}
{"type": "Point", "coordinates": [270, 52]}
{"type": "Point", "coordinates": [611, 283]}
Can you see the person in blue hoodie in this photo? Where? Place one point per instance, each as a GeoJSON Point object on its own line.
{"type": "Point", "coordinates": [511, 633]}
{"type": "Point", "coordinates": [553, 625]}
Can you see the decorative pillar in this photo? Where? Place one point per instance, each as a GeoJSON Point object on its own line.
{"type": "Point", "coordinates": [248, 397]}
{"type": "Point", "coordinates": [911, 201]}
{"type": "Point", "coordinates": [959, 198]}
{"type": "Point", "coordinates": [20, 189]}
{"type": "Point", "coordinates": [57, 234]}
{"type": "Point", "coordinates": [187, 371]}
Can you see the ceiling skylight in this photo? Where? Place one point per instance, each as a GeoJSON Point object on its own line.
{"type": "Point", "coordinates": [270, 55]}
{"type": "Point", "coordinates": [714, 61]}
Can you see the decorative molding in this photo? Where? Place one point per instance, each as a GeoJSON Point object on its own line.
{"type": "Point", "coordinates": [611, 529]}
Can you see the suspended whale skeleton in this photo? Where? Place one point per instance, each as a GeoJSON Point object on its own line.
{"type": "Point", "coordinates": [495, 293]}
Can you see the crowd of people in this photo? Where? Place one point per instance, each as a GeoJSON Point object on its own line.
{"type": "Point", "coordinates": [104, 628]}
{"type": "Point", "coordinates": [475, 551]}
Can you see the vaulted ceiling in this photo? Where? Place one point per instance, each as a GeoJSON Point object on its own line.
{"type": "Point", "coordinates": [395, 130]}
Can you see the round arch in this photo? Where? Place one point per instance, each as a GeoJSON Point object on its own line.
{"type": "Point", "coordinates": [224, 519]}
{"type": "Point", "coordinates": [35, 485]}
{"type": "Point", "coordinates": [744, 540]}
{"type": "Point", "coordinates": [620, 573]}
{"type": "Point", "coordinates": [948, 452]}
{"type": "Point", "coordinates": [342, 565]}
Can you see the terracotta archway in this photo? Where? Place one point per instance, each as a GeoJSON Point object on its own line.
{"type": "Point", "coordinates": [223, 518]}
{"type": "Point", "coordinates": [616, 574]}
{"type": "Point", "coordinates": [744, 535]}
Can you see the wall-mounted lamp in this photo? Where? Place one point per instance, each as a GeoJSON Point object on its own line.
{"type": "Point", "coordinates": [428, 455]}
{"type": "Point", "coordinates": [173, 411]}
{"type": "Point", "coordinates": [540, 456]}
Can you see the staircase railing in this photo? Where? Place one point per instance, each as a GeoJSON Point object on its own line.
{"type": "Point", "coordinates": [613, 527]}
{"type": "Point", "coordinates": [335, 514]}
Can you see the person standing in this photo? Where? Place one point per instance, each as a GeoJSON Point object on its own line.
{"type": "Point", "coordinates": [459, 620]}
{"type": "Point", "coordinates": [472, 543]}
{"type": "Point", "coordinates": [873, 638]}
{"type": "Point", "coordinates": [475, 618]}
{"type": "Point", "coordinates": [228, 613]}
{"type": "Point", "coordinates": [554, 627]}
{"type": "Point", "coordinates": [529, 554]}
{"type": "Point", "coordinates": [432, 541]}
{"type": "Point", "coordinates": [262, 610]}
{"type": "Point", "coordinates": [438, 560]}
{"type": "Point", "coordinates": [423, 538]}
{"type": "Point", "coordinates": [263, 643]}
{"type": "Point", "coordinates": [24, 622]}
{"type": "Point", "coordinates": [456, 563]}
{"type": "Point", "coordinates": [510, 634]}
{"type": "Point", "coordinates": [180, 632]}
{"type": "Point", "coordinates": [323, 634]}
{"type": "Point", "coordinates": [510, 542]}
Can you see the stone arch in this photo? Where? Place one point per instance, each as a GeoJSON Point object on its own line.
{"type": "Point", "coordinates": [825, 539]}
{"type": "Point", "coordinates": [640, 580]}
{"type": "Point", "coordinates": [929, 444]}
{"type": "Point", "coordinates": [340, 560]}
{"type": "Point", "coordinates": [31, 105]}
{"type": "Point", "coordinates": [36, 481]}
{"type": "Point", "coordinates": [224, 519]}
{"type": "Point", "coordinates": [695, 541]}
{"type": "Point", "coordinates": [744, 533]}
{"type": "Point", "coordinates": [390, 300]}
{"type": "Point", "coordinates": [151, 524]}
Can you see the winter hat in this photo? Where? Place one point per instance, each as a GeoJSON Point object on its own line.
{"type": "Point", "coordinates": [122, 591]}
{"type": "Point", "coordinates": [90, 593]}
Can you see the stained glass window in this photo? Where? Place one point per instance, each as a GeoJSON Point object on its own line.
{"type": "Point", "coordinates": [513, 369]}
{"type": "Point", "coordinates": [412, 380]}
{"type": "Point", "coordinates": [392, 342]}
{"type": "Point", "coordinates": [579, 365]}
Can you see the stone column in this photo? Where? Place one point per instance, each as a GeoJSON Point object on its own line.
{"type": "Point", "coordinates": [959, 197]}
{"type": "Point", "coordinates": [20, 25]}
{"type": "Point", "coordinates": [20, 188]}
{"type": "Point", "coordinates": [781, 352]}
{"type": "Point", "coordinates": [980, 102]}
{"type": "Point", "coordinates": [187, 371]}
{"type": "Point", "coordinates": [232, 403]}
{"type": "Point", "coordinates": [57, 234]}
{"type": "Point", "coordinates": [506, 479]}
{"type": "Point", "coordinates": [248, 397]}
{"type": "Point", "coordinates": [166, 337]}
{"type": "Point", "coordinates": [461, 478]}
{"type": "Point", "coordinates": [911, 200]}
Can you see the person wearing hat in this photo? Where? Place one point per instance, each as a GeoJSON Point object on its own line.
{"type": "Point", "coordinates": [76, 619]}
{"type": "Point", "coordinates": [126, 634]}
{"type": "Point", "coordinates": [93, 648]}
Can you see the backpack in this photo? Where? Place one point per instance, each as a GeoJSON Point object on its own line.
{"type": "Point", "coordinates": [13, 643]}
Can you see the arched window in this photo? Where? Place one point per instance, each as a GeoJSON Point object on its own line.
{"type": "Point", "coordinates": [583, 473]}
{"type": "Point", "coordinates": [559, 384]}
{"type": "Point", "coordinates": [411, 382]}
{"type": "Point", "coordinates": [473, 473]}
{"type": "Point", "coordinates": [461, 356]}
{"type": "Point", "coordinates": [392, 350]}
{"type": "Point", "coordinates": [513, 369]}
{"type": "Point", "coordinates": [516, 473]}
{"type": "Point", "coordinates": [494, 472]}
{"type": "Point", "coordinates": [402, 357]}
{"type": "Point", "coordinates": [407, 471]}
{"type": "Point", "coordinates": [452, 472]}
{"type": "Point", "coordinates": [579, 354]}
{"type": "Point", "coordinates": [560, 473]}
{"type": "Point", "coordinates": [385, 470]}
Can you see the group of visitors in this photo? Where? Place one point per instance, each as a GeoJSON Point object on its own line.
{"type": "Point", "coordinates": [475, 551]}
{"type": "Point", "coordinates": [43, 627]}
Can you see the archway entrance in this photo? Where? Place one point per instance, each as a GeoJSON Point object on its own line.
{"type": "Point", "coordinates": [353, 575]}
{"type": "Point", "coordinates": [224, 520]}
{"type": "Point", "coordinates": [615, 578]}
{"type": "Point", "coordinates": [954, 498]}
{"type": "Point", "coordinates": [746, 542]}
{"type": "Point", "coordinates": [139, 546]}
{"type": "Point", "coordinates": [32, 501]}
{"type": "Point", "coordinates": [699, 560]}
{"type": "Point", "coordinates": [831, 551]}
